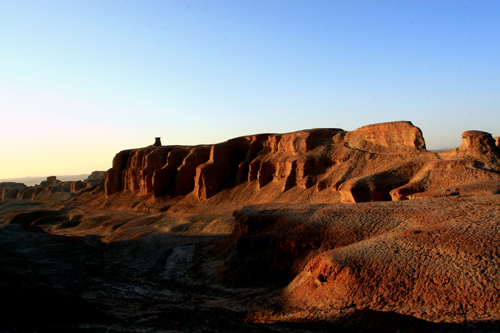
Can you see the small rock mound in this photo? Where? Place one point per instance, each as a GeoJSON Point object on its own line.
{"type": "Point", "coordinates": [477, 146]}
{"type": "Point", "coordinates": [387, 138]}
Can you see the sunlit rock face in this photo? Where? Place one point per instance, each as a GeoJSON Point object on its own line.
{"type": "Point", "coordinates": [431, 259]}
{"type": "Point", "coordinates": [399, 137]}
{"type": "Point", "coordinates": [379, 162]}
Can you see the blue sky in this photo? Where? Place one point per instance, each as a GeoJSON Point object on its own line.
{"type": "Point", "coordinates": [82, 80]}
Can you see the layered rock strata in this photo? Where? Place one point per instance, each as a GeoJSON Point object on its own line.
{"type": "Point", "coordinates": [386, 161]}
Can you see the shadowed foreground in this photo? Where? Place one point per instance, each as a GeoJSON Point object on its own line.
{"type": "Point", "coordinates": [414, 266]}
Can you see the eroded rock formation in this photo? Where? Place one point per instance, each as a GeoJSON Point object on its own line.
{"type": "Point", "coordinates": [434, 260]}
{"type": "Point", "coordinates": [386, 161]}
{"type": "Point", "coordinates": [52, 189]}
{"type": "Point", "coordinates": [242, 236]}
{"type": "Point", "coordinates": [51, 181]}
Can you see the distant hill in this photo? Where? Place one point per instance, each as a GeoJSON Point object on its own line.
{"type": "Point", "coordinates": [30, 181]}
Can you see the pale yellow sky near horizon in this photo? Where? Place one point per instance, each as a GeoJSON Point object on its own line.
{"type": "Point", "coordinates": [73, 157]}
{"type": "Point", "coordinates": [83, 80]}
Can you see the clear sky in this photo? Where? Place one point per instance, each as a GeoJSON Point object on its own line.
{"type": "Point", "coordinates": [82, 80]}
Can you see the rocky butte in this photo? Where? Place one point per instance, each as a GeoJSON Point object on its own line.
{"type": "Point", "coordinates": [373, 163]}
{"type": "Point", "coordinates": [312, 231]}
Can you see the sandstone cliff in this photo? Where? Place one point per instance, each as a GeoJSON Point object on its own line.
{"type": "Point", "coordinates": [386, 161]}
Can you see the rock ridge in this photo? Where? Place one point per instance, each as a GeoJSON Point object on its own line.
{"type": "Point", "coordinates": [52, 189]}
{"type": "Point", "coordinates": [386, 161]}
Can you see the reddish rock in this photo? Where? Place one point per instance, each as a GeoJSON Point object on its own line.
{"type": "Point", "coordinates": [475, 146]}
{"type": "Point", "coordinates": [77, 186]}
{"type": "Point", "coordinates": [385, 161]}
{"type": "Point", "coordinates": [472, 189]}
{"type": "Point", "coordinates": [186, 172]}
{"type": "Point", "coordinates": [221, 168]}
{"type": "Point", "coordinates": [51, 181]}
{"type": "Point", "coordinates": [431, 259]}
{"type": "Point", "coordinates": [113, 181]}
{"type": "Point", "coordinates": [164, 178]}
{"type": "Point", "coordinates": [399, 137]}
{"type": "Point", "coordinates": [441, 174]}
{"type": "Point", "coordinates": [378, 186]}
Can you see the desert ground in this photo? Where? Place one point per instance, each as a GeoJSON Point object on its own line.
{"type": "Point", "coordinates": [319, 230]}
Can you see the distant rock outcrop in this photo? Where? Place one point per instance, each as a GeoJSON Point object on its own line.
{"type": "Point", "coordinates": [386, 161]}
{"type": "Point", "coordinates": [12, 185]}
{"type": "Point", "coordinates": [52, 189]}
{"type": "Point", "coordinates": [95, 178]}
{"type": "Point", "coordinates": [51, 181]}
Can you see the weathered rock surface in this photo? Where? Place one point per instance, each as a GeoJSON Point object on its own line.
{"type": "Point", "coordinates": [388, 138]}
{"type": "Point", "coordinates": [377, 162]}
{"type": "Point", "coordinates": [476, 146]}
{"type": "Point", "coordinates": [480, 188]}
{"type": "Point", "coordinates": [435, 260]}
